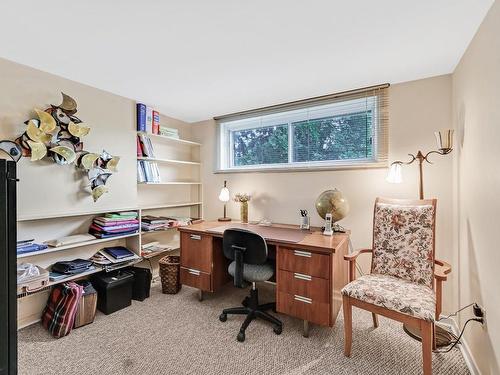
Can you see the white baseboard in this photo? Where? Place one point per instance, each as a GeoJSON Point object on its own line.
{"type": "Point", "coordinates": [464, 348]}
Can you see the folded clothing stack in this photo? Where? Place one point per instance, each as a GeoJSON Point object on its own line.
{"type": "Point", "coordinates": [29, 246]}
{"type": "Point", "coordinates": [114, 224]}
{"type": "Point", "coordinates": [72, 267]}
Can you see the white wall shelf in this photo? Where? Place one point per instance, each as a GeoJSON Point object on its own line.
{"type": "Point", "coordinates": [169, 161]}
{"type": "Point", "coordinates": [71, 214]}
{"type": "Point", "coordinates": [74, 245]}
{"type": "Point", "coordinates": [172, 139]}
{"type": "Point", "coordinates": [146, 232]}
{"type": "Point", "coordinates": [170, 183]}
{"type": "Point", "coordinates": [171, 205]}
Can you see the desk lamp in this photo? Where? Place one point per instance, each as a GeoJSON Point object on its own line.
{"type": "Point", "coordinates": [224, 197]}
{"type": "Point", "coordinates": [444, 139]}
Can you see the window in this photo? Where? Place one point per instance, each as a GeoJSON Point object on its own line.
{"type": "Point", "coordinates": [328, 132]}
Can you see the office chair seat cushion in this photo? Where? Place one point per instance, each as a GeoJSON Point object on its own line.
{"type": "Point", "coordinates": [394, 294]}
{"type": "Point", "coordinates": [254, 272]}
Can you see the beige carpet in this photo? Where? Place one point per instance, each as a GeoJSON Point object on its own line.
{"type": "Point", "coordinates": [176, 334]}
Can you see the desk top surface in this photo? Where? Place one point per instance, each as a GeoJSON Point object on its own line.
{"type": "Point", "coordinates": [277, 234]}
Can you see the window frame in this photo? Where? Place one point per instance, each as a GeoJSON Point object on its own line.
{"type": "Point", "coordinates": [231, 123]}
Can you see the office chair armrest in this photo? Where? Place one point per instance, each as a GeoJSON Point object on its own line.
{"type": "Point", "coordinates": [352, 257]}
{"type": "Point", "coordinates": [441, 269]}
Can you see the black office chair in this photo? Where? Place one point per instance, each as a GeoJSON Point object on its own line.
{"type": "Point", "coordinates": [248, 251]}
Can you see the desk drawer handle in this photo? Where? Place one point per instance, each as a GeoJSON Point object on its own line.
{"type": "Point", "coordinates": [196, 237]}
{"type": "Point", "coordinates": [302, 299]}
{"type": "Point", "coordinates": [301, 276]}
{"type": "Point", "coordinates": [299, 253]}
{"type": "Point", "coordinates": [194, 272]}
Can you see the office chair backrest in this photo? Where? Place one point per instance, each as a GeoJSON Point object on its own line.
{"type": "Point", "coordinates": [243, 246]}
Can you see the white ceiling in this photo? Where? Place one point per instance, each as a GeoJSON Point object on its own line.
{"type": "Point", "coordinates": [194, 59]}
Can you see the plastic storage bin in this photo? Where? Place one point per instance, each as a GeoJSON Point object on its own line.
{"type": "Point", "coordinates": [114, 291]}
{"type": "Point", "coordinates": [34, 284]}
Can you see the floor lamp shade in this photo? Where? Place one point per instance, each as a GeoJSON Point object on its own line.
{"type": "Point", "coordinates": [395, 175]}
{"type": "Point", "coordinates": [444, 139]}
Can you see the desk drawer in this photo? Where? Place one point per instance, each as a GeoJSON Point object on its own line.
{"type": "Point", "coordinates": [311, 287]}
{"type": "Point", "coordinates": [303, 308]}
{"type": "Point", "coordinates": [305, 262]}
{"type": "Point", "coordinates": [196, 251]}
{"type": "Point", "coordinates": [195, 278]}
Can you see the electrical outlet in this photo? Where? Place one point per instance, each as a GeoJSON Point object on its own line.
{"type": "Point", "coordinates": [479, 312]}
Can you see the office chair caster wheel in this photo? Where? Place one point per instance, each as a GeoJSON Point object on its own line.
{"type": "Point", "coordinates": [278, 330]}
{"type": "Point", "coordinates": [241, 337]}
{"type": "Point", "coordinates": [223, 317]}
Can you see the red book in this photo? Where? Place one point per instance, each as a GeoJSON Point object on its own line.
{"type": "Point", "coordinates": [156, 122]}
{"type": "Point", "coordinates": [139, 147]}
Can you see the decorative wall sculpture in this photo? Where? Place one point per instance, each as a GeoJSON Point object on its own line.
{"type": "Point", "coordinates": [57, 134]}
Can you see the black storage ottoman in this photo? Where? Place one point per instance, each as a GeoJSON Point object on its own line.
{"type": "Point", "coordinates": [114, 291]}
{"type": "Point", "coordinates": [142, 283]}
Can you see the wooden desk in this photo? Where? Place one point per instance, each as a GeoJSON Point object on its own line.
{"type": "Point", "coordinates": [309, 273]}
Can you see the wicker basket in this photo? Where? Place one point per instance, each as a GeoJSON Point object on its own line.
{"type": "Point", "coordinates": [169, 274]}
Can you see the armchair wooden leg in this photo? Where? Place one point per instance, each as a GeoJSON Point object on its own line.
{"type": "Point", "coordinates": [434, 341]}
{"type": "Point", "coordinates": [375, 320]}
{"type": "Point", "coordinates": [347, 326]}
{"type": "Point", "coordinates": [427, 338]}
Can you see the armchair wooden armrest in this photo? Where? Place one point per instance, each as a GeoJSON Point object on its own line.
{"type": "Point", "coordinates": [352, 261]}
{"type": "Point", "coordinates": [355, 254]}
{"type": "Point", "coordinates": [441, 269]}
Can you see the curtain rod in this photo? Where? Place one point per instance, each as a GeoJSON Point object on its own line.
{"type": "Point", "coordinates": [303, 101]}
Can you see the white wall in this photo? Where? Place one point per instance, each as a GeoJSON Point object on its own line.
{"type": "Point", "coordinates": [417, 109]}
{"type": "Point", "coordinates": [476, 115]}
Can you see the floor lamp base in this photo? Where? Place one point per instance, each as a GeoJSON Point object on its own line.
{"type": "Point", "coordinates": [443, 337]}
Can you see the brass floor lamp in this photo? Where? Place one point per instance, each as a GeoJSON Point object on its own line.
{"type": "Point", "coordinates": [444, 139]}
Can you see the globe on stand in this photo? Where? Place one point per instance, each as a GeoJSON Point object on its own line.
{"type": "Point", "coordinates": [332, 201]}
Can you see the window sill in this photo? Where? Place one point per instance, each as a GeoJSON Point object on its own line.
{"type": "Point", "coordinates": [309, 168]}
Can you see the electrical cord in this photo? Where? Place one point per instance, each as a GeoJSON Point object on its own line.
{"type": "Point", "coordinates": [456, 312]}
{"type": "Point", "coordinates": [351, 250]}
{"type": "Point", "coordinates": [480, 320]}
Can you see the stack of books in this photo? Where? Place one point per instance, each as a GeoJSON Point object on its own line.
{"type": "Point", "coordinates": [144, 146]}
{"type": "Point", "coordinates": [114, 224]}
{"type": "Point", "coordinates": [148, 171]}
{"type": "Point", "coordinates": [151, 248]}
{"type": "Point", "coordinates": [148, 120]}
{"type": "Point", "coordinates": [111, 258]}
{"type": "Point", "coordinates": [29, 246]}
{"type": "Point", "coordinates": [150, 223]}
{"type": "Point", "coordinates": [169, 132]}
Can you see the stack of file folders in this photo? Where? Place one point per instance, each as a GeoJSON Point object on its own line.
{"type": "Point", "coordinates": [115, 224]}
{"type": "Point", "coordinates": [111, 258]}
{"type": "Point", "coordinates": [151, 223]}
{"type": "Point", "coordinates": [29, 246]}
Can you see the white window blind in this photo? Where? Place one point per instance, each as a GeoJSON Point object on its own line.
{"type": "Point", "coordinates": [335, 131]}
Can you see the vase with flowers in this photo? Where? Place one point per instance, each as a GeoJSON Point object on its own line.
{"type": "Point", "coordinates": [243, 199]}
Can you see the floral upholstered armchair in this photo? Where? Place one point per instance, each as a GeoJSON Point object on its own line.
{"type": "Point", "coordinates": [405, 283]}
